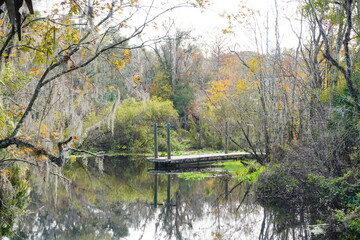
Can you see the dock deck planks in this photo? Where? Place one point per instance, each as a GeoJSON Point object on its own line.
{"type": "Point", "coordinates": [201, 158]}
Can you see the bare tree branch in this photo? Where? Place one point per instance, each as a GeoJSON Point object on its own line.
{"type": "Point", "coordinates": [84, 151]}
{"type": "Point", "coordinates": [347, 72]}
{"type": "Point", "coordinates": [38, 151]}
{"type": "Point", "coordinates": [7, 41]}
{"type": "Point", "coordinates": [23, 45]}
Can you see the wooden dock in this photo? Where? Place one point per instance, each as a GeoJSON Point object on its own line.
{"type": "Point", "coordinates": [201, 158]}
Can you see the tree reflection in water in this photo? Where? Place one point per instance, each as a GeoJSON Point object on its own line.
{"type": "Point", "coordinates": [121, 203]}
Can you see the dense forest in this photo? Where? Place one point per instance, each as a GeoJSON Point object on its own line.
{"type": "Point", "coordinates": [84, 78]}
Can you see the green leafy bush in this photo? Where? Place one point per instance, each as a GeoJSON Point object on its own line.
{"type": "Point", "coordinates": [347, 224]}
{"type": "Point", "coordinates": [337, 193]}
{"type": "Point", "coordinates": [133, 126]}
{"type": "Point", "coordinates": [335, 201]}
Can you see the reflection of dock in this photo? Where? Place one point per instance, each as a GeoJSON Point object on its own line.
{"type": "Point", "coordinates": [176, 171]}
{"type": "Point", "coordinates": [158, 173]}
{"type": "Point", "coordinates": [203, 158]}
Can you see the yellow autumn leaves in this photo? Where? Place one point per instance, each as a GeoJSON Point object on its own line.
{"type": "Point", "coordinates": [120, 61]}
{"type": "Point", "coordinates": [16, 111]}
{"type": "Point", "coordinates": [225, 88]}
{"type": "Point", "coordinates": [6, 172]}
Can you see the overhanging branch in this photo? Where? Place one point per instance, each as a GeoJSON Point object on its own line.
{"type": "Point", "coordinates": [59, 161]}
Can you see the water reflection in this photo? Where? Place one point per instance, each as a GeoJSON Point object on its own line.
{"type": "Point", "coordinates": [199, 211]}
{"type": "Point", "coordinates": [127, 201]}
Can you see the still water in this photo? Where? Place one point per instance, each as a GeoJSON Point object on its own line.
{"type": "Point", "coordinates": [124, 198]}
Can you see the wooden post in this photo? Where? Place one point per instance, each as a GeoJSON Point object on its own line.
{"type": "Point", "coordinates": [155, 190]}
{"type": "Point", "coordinates": [168, 191]}
{"type": "Point", "coordinates": [227, 188]}
{"type": "Point", "coordinates": [226, 137]}
{"type": "Point", "coordinates": [156, 153]}
{"type": "Point", "coordinates": [168, 141]}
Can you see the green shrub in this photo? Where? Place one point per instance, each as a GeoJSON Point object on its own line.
{"type": "Point", "coordinates": [337, 193]}
{"type": "Point", "coordinates": [327, 199]}
{"type": "Point", "coordinates": [133, 126]}
{"type": "Point", "coordinates": [345, 224]}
